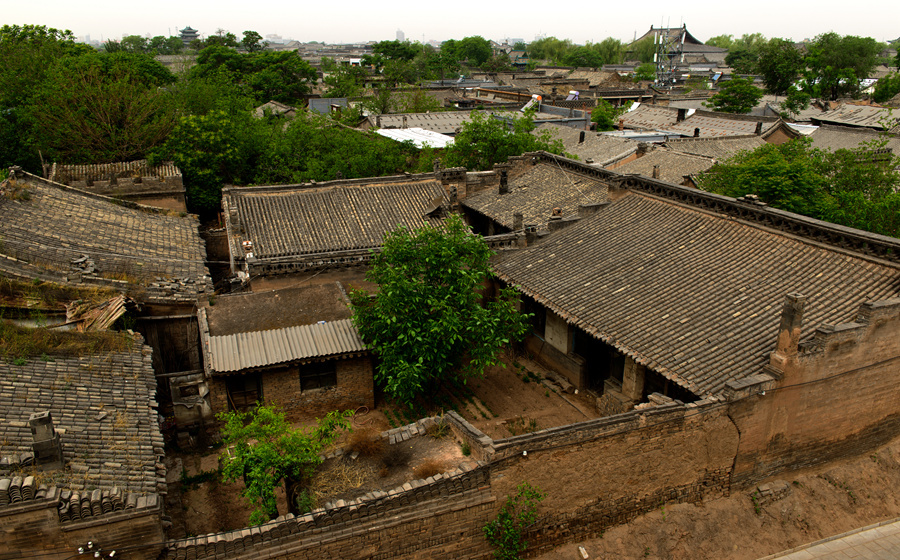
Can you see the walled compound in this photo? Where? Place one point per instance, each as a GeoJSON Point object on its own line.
{"type": "Point", "coordinates": [726, 342]}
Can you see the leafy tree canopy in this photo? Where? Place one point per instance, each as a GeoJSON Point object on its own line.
{"type": "Point", "coordinates": [855, 188]}
{"type": "Point", "coordinates": [103, 107]}
{"type": "Point", "coordinates": [397, 50]}
{"type": "Point", "coordinates": [475, 50]}
{"type": "Point", "coordinates": [721, 41]}
{"type": "Point", "coordinates": [737, 95]}
{"type": "Point", "coordinates": [269, 75]}
{"type": "Point", "coordinates": [780, 64]}
{"type": "Point", "coordinates": [253, 41]}
{"type": "Point", "coordinates": [886, 88]}
{"type": "Point", "coordinates": [605, 115]}
{"type": "Point", "coordinates": [645, 71]}
{"type": "Point", "coordinates": [550, 48]}
{"type": "Point", "coordinates": [265, 451]}
{"type": "Point", "coordinates": [485, 140]}
{"type": "Point", "coordinates": [836, 64]}
{"type": "Point", "coordinates": [642, 50]}
{"type": "Point", "coordinates": [427, 322]}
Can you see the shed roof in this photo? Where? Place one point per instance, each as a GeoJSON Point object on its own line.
{"type": "Point", "coordinates": [247, 350]}
{"type": "Point", "coordinates": [64, 234]}
{"type": "Point", "coordinates": [444, 122]}
{"type": "Point", "coordinates": [537, 192]}
{"type": "Point", "coordinates": [652, 117]}
{"type": "Point", "coordinates": [418, 136]}
{"type": "Point", "coordinates": [712, 123]}
{"type": "Point", "coordinates": [692, 295]}
{"type": "Point", "coordinates": [292, 220]}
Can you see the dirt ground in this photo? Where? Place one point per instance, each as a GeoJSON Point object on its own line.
{"type": "Point", "coordinates": [822, 502]}
{"type": "Point", "coordinates": [507, 401]}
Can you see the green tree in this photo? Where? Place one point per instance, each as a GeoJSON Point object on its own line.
{"type": "Point", "coordinates": [646, 71]}
{"type": "Point", "coordinates": [642, 51]}
{"type": "Point", "coordinates": [737, 95]}
{"type": "Point", "coordinates": [855, 188]}
{"type": "Point", "coordinates": [721, 41]}
{"type": "Point", "coordinates": [165, 45]}
{"type": "Point", "coordinates": [427, 322]}
{"type": "Point", "coordinates": [835, 64]}
{"type": "Point", "coordinates": [780, 64]}
{"type": "Point", "coordinates": [397, 50]}
{"type": "Point", "coordinates": [498, 63]}
{"type": "Point", "coordinates": [342, 80]}
{"type": "Point", "coordinates": [484, 140]}
{"type": "Point", "coordinates": [103, 107]}
{"type": "Point", "coordinates": [135, 44]}
{"type": "Point", "coordinates": [550, 49]}
{"type": "Point", "coordinates": [264, 451]}
{"type": "Point", "coordinates": [605, 115]}
{"type": "Point", "coordinates": [506, 533]}
{"type": "Point", "coordinates": [253, 42]}
{"type": "Point", "coordinates": [475, 50]}
{"type": "Point", "coordinates": [222, 38]}
{"type": "Point", "coordinates": [886, 88]}
{"type": "Point", "coordinates": [796, 100]}
{"type": "Point", "coordinates": [27, 52]}
{"type": "Point", "coordinates": [268, 75]}
{"type": "Point", "coordinates": [520, 46]}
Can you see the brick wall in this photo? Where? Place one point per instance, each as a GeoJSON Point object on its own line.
{"type": "Point", "coordinates": [34, 527]}
{"type": "Point", "coordinates": [837, 397]}
{"type": "Point", "coordinates": [355, 388]}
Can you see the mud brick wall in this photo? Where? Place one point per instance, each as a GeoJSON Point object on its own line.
{"type": "Point", "coordinates": [440, 517]}
{"type": "Point", "coordinates": [355, 388]}
{"type": "Point", "coordinates": [34, 528]}
{"type": "Point", "coordinates": [838, 397]}
{"type": "Point", "coordinates": [607, 471]}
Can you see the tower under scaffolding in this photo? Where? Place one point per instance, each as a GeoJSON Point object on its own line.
{"type": "Point", "coordinates": [669, 52]}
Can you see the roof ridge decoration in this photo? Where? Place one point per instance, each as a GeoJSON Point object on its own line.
{"type": "Point", "coordinates": [335, 183]}
{"type": "Point", "coordinates": [842, 237]}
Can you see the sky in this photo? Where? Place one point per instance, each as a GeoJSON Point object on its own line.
{"type": "Point", "coordinates": [351, 21]}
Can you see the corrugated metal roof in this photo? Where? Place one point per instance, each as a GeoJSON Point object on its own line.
{"type": "Point", "coordinates": [241, 351]}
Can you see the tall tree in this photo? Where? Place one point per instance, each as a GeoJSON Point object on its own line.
{"type": "Point", "coordinates": [780, 64]}
{"type": "Point", "coordinates": [737, 95]}
{"type": "Point", "coordinates": [253, 42]}
{"type": "Point", "coordinates": [104, 107]}
{"type": "Point", "coordinates": [428, 322]}
{"type": "Point", "coordinates": [721, 41]}
{"type": "Point", "coordinates": [837, 64]}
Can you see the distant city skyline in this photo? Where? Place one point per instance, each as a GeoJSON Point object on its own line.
{"type": "Point", "coordinates": [354, 21]}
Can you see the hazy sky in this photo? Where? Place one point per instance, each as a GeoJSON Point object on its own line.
{"type": "Point", "coordinates": [355, 20]}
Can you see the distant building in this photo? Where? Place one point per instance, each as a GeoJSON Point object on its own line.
{"type": "Point", "coordinates": [401, 36]}
{"type": "Point", "coordinates": [188, 34]}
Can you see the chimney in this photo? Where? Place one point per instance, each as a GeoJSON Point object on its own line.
{"type": "Point", "coordinates": [789, 331]}
{"type": "Point", "coordinates": [404, 121]}
{"type": "Point", "coordinates": [46, 445]}
{"type": "Point", "coordinates": [378, 121]}
{"type": "Point", "coordinates": [759, 128]}
{"type": "Point", "coordinates": [682, 114]}
{"type": "Point", "coordinates": [581, 137]}
{"type": "Point", "coordinates": [656, 172]}
{"type": "Point", "coordinates": [518, 221]}
{"type": "Point", "coordinates": [621, 124]}
{"type": "Point", "coordinates": [696, 133]}
{"type": "Point", "coordinates": [504, 182]}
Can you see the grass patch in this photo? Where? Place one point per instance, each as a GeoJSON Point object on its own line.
{"type": "Point", "coordinates": [428, 468]}
{"type": "Point", "coordinates": [366, 443]}
{"type": "Point", "coordinates": [50, 295]}
{"type": "Point", "coordinates": [18, 343]}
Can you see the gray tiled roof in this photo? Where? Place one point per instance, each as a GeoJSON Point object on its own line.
{"type": "Point", "coordinates": [673, 166]}
{"type": "Point", "coordinates": [537, 192]}
{"type": "Point", "coordinates": [48, 226]}
{"type": "Point", "coordinates": [66, 173]}
{"type": "Point", "coordinates": [294, 220]}
{"type": "Point", "coordinates": [860, 115]}
{"type": "Point", "coordinates": [601, 148]}
{"type": "Point", "coordinates": [444, 122]}
{"type": "Point", "coordinates": [724, 124]}
{"type": "Point", "coordinates": [718, 148]}
{"type": "Point", "coordinates": [651, 117]}
{"type": "Point", "coordinates": [831, 138]}
{"type": "Point", "coordinates": [689, 294]}
{"type": "Point", "coordinates": [103, 408]}
{"type": "Point", "coordinates": [246, 350]}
